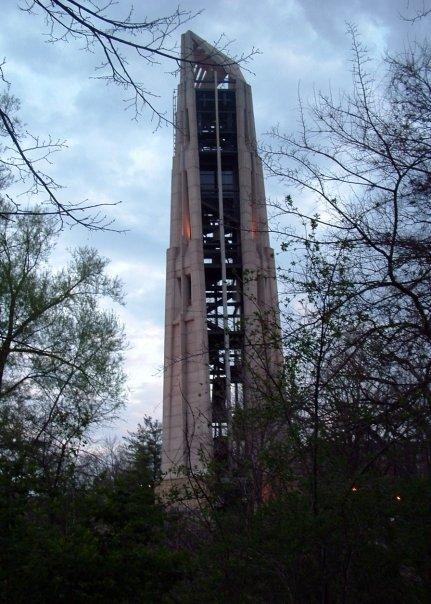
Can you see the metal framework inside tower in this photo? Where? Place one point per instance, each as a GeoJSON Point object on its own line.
{"type": "Point", "coordinates": [221, 228]}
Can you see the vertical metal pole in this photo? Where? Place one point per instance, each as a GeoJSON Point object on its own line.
{"type": "Point", "coordinates": [222, 254]}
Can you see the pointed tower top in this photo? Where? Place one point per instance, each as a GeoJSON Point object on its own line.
{"type": "Point", "coordinates": [208, 57]}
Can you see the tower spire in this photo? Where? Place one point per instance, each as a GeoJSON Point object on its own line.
{"type": "Point", "coordinates": [220, 267]}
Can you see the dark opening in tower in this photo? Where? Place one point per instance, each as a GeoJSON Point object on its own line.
{"type": "Point", "coordinates": [226, 383]}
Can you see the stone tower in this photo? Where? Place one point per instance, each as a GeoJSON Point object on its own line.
{"type": "Point", "coordinates": [220, 271]}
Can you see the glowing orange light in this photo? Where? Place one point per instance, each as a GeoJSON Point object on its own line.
{"type": "Point", "coordinates": [398, 497]}
{"type": "Point", "coordinates": [354, 489]}
{"type": "Point", "coordinates": [187, 230]}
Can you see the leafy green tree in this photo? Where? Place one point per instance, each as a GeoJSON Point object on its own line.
{"type": "Point", "coordinates": [102, 538]}
{"type": "Point", "coordinates": [61, 351]}
{"type": "Point", "coordinates": [70, 531]}
{"type": "Point", "coordinates": [144, 448]}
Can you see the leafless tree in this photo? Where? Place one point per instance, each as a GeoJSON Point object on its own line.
{"type": "Point", "coordinates": [360, 278]}
{"type": "Point", "coordinates": [123, 46]}
{"type": "Point", "coordinates": [422, 9]}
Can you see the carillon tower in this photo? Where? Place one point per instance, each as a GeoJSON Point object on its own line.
{"type": "Point", "coordinates": [220, 275]}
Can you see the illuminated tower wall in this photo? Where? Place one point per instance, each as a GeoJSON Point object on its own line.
{"type": "Point", "coordinates": [220, 266]}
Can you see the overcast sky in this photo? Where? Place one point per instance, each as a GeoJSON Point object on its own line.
{"type": "Point", "coordinates": [110, 157]}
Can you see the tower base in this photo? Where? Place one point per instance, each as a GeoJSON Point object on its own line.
{"type": "Point", "coordinates": [182, 493]}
